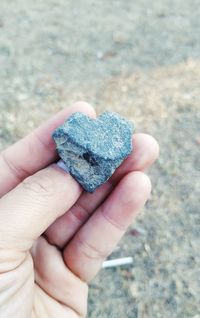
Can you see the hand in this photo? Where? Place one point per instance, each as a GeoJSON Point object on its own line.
{"type": "Point", "coordinates": [53, 235]}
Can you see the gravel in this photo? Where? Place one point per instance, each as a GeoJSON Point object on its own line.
{"type": "Point", "coordinates": [143, 61]}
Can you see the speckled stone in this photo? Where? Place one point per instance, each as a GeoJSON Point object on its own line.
{"type": "Point", "coordinates": [93, 148]}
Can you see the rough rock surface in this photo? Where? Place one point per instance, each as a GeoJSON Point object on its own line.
{"type": "Point", "coordinates": [93, 148]}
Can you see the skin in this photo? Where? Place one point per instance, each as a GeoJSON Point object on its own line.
{"type": "Point", "coordinates": [53, 235]}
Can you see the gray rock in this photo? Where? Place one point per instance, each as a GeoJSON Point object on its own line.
{"type": "Point", "coordinates": [93, 148]}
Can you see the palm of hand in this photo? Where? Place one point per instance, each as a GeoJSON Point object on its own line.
{"type": "Point", "coordinates": [49, 288]}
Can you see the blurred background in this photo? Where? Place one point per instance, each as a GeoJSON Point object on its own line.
{"type": "Point", "coordinates": [141, 59]}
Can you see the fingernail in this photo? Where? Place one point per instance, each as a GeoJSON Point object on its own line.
{"type": "Point", "coordinates": [62, 165]}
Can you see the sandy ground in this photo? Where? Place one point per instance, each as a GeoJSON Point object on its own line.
{"type": "Point", "coordinates": [141, 59]}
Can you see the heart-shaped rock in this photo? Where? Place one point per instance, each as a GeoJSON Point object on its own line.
{"type": "Point", "coordinates": [93, 148]}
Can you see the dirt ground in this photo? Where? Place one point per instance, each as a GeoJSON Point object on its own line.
{"type": "Point", "coordinates": [141, 59]}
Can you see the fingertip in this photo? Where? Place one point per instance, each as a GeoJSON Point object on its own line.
{"type": "Point", "coordinates": [153, 146]}
{"type": "Point", "coordinates": [84, 107]}
{"type": "Point", "coordinates": [148, 144]}
{"type": "Point", "coordinates": [143, 183]}
{"type": "Point", "coordinates": [137, 184]}
{"type": "Point", "coordinates": [145, 152]}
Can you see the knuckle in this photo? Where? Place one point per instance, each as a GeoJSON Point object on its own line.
{"type": "Point", "coordinates": [39, 184]}
{"type": "Point", "coordinates": [80, 213]}
{"type": "Point", "coordinates": [90, 251]}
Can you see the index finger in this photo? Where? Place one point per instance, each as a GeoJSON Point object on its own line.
{"type": "Point", "coordinates": [35, 151]}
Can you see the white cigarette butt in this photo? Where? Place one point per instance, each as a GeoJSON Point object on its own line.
{"type": "Point", "coordinates": [117, 262]}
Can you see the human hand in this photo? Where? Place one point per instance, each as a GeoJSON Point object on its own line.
{"type": "Point", "coordinates": [53, 235]}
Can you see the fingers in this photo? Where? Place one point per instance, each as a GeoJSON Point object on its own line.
{"type": "Point", "coordinates": [57, 280]}
{"type": "Point", "coordinates": [32, 206]}
{"type": "Point", "coordinates": [35, 151]}
{"type": "Point", "coordinates": [97, 238]}
{"type": "Point", "coordinates": [144, 154]}
{"type": "Point", "coordinates": [62, 230]}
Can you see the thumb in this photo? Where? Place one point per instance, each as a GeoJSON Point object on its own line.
{"type": "Point", "coordinates": [28, 210]}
